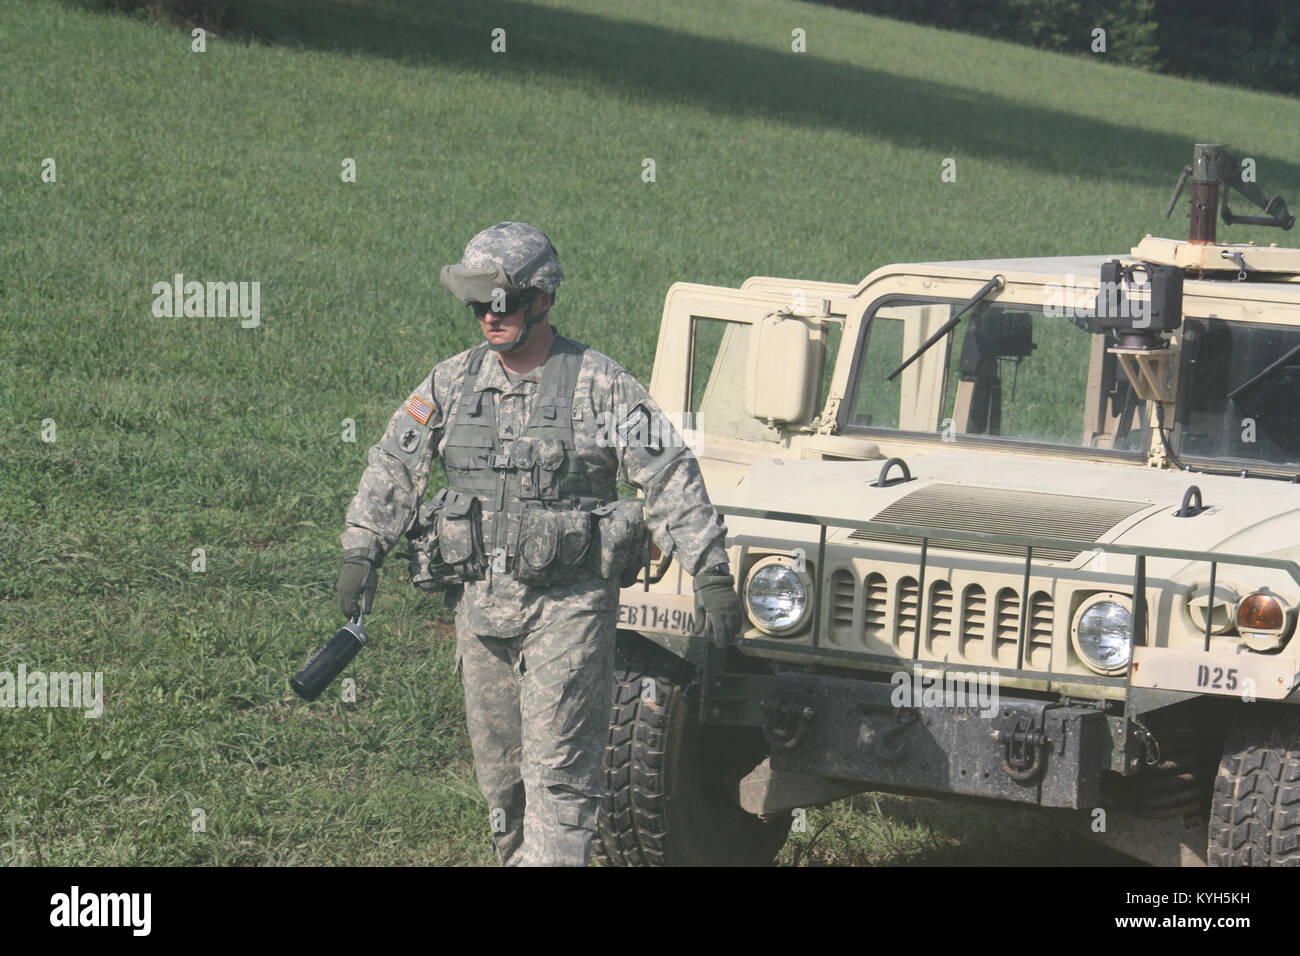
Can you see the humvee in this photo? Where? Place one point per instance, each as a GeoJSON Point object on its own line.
{"type": "Point", "coordinates": [1015, 530]}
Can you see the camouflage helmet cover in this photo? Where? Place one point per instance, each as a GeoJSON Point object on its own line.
{"type": "Point", "coordinates": [512, 256]}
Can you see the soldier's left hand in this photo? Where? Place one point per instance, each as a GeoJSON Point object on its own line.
{"type": "Point", "coordinates": [717, 602]}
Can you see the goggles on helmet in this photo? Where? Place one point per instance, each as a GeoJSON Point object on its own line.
{"type": "Point", "coordinates": [512, 304]}
{"type": "Point", "coordinates": [478, 283]}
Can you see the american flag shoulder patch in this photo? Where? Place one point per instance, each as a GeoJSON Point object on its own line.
{"type": "Point", "coordinates": [419, 409]}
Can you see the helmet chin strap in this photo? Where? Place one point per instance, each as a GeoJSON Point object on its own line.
{"type": "Point", "coordinates": [530, 319]}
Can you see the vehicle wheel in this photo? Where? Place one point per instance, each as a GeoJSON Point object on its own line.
{"type": "Point", "coordinates": [1255, 816]}
{"type": "Point", "coordinates": [665, 775]}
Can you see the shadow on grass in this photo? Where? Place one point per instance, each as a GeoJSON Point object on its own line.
{"type": "Point", "coordinates": [735, 79]}
{"type": "Point", "coordinates": [882, 829]}
{"type": "Point", "coordinates": [998, 835]}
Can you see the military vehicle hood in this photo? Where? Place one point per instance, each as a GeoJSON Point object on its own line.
{"type": "Point", "coordinates": [992, 491]}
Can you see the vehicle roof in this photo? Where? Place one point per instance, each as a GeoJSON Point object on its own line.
{"type": "Point", "coordinates": [1088, 270]}
{"type": "Point", "coordinates": [1047, 265]}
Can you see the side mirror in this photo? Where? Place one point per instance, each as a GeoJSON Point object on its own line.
{"type": "Point", "coordinates": [783, 369]}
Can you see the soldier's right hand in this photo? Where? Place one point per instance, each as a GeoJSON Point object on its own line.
{"type": "Point", "coordinates": [358, 577]}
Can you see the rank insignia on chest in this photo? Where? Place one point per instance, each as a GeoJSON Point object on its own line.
{"type": "Point", "coordinates": [577, 414]}
{"type": "Point", "coordinates": [419, 409]}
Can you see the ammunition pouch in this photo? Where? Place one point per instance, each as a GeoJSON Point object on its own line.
{"type": "Point", "coordinates": [428, 571]}
{"type": "Point", "coordinates": [553, 545]}
{"type": "Point", "coordinates": [621, 535]}
{"type": "Point", "coordinates": [550, 463]}
{"type": "Point", "coordinates": [460, 534]}
{"type": "Point", "coordinates": [540, 463]}
{"type": "Point", "coordinates": [446, 542]}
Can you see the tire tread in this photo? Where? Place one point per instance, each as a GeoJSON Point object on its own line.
{"type": "Point", "coordinates": [1255, 817]}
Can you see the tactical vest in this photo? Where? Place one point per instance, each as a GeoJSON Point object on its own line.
{"type": "Point", "coordinates": [541, 470]}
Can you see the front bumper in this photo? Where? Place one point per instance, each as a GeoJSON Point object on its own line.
{"type": "Point", "coordinates": [913, 735]}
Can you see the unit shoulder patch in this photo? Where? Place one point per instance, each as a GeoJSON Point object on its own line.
{"type": "Point", "coordinates": [409, 440]}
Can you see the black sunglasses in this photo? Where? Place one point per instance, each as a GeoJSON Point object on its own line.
{"type": "Point", "coordinates": [513, 304]}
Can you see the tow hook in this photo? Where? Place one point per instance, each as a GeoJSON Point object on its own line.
{"type": "Point", "coordinates": [787, 718]}
{"type": "Point", "coordinates": [891, 745]}
{"type": "Point", "coordinates": [1024, 749]}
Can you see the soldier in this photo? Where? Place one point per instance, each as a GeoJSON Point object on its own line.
{"type": "Point", "coordinates": [534, 430]}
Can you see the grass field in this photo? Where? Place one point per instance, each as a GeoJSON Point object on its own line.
{"type": "Point", "coordinates": [174, 434]}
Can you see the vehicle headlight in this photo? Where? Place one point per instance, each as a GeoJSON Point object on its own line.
{"type": "Point", "coordinates": [1263, 620]}
{"type": "Point", "coordinates": [1102, 632]}
{"type": "Point", "coordinates": [778, 597]}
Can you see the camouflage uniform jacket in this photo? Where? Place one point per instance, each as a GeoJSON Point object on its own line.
{"type": "Point", "coordinates": [677, 507]}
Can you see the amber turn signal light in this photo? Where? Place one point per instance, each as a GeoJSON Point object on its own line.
{"type": "Point", "coordinates": [1261, 612]}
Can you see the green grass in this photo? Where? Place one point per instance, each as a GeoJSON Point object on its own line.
{"type": "Point", "coordinates": [176, 434]}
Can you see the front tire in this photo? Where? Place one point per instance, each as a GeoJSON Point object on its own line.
{"type": "Point", "coordinates": [1255, 815]}
{"type": "Point", "coordinates": [666, 776]}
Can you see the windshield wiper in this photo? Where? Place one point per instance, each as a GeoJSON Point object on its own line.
{"type": "Point", "coordinates": [1248, 385]}
{"type": "Point", "coordinates": [996, 284]}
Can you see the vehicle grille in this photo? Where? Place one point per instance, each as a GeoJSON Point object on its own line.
{"type": "Point", "coordinates": [1004, 511]}
{"type": "Point", "coordinates": [938, 638]}
{"type": "Point", "coordinates": [873, 606]}
{"type": "Point", "coordinates": [974, 609]}
{"type": "Point", "coordinates": [905, 617]}
{"type": "Point", "coordinates": [842, 588]}
{"type": "Point", "coordinates": [1039, 651]}
{"type": "Point", "coordinates": [1007, 619]}
{"type": "Point", "coordinates": [963, 624]}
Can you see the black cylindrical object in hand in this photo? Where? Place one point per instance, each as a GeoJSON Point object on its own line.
{"type": "Point", "coordinates": [327, 663]}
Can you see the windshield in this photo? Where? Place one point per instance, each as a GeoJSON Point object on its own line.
{"type": "Point", "coordinates": [1004, 373]}
{"type": "Point", "coordinates": [1262, 423]}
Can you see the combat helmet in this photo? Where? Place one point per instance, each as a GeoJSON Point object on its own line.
{"type": "Point", "coordinates": [507, 259]}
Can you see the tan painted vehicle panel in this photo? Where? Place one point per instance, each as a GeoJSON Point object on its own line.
{"type": "Point", "coordinates": [1074, 479]}
{"type": "Point", "coordinates": [771, 467]}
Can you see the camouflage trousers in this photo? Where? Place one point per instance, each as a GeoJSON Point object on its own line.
{"type": "Point", "coordinates": [538, 710]}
